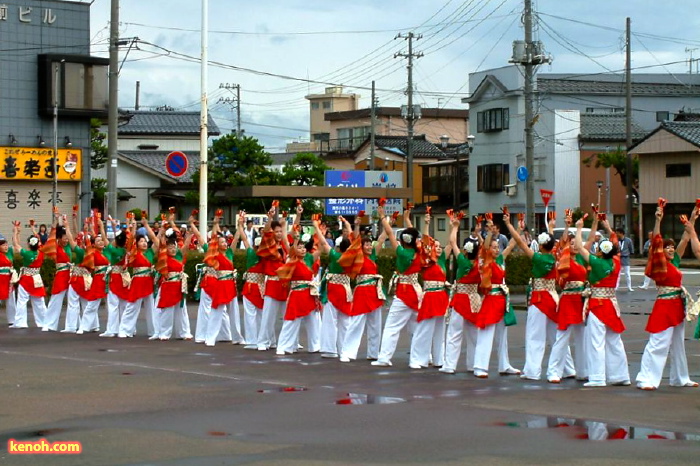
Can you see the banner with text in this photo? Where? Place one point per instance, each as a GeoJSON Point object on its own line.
{"type": "Point", "coordinates": [362, 179]}
{"type": "Point", "coordinates": [36, 163]}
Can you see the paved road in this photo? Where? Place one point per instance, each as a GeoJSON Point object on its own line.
{"type": "Point", "coordinates": [140, 402]}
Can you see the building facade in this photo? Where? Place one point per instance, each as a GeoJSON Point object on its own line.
{"type": "Point", "coordinates": [46, 65]}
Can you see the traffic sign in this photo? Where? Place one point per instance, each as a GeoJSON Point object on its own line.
{"type": "Point", "coordinates": [546, 196]}
{"type": "Point", "coordinates": [176, 163]}
{"type": "Point", "coordinates": [522, 173]}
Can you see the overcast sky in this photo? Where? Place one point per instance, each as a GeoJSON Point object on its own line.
{"type": "Point", "coordinates": [352, 43]}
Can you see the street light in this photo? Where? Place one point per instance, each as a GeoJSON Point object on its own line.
{"type": "Point", "coordinates": [599, 183]}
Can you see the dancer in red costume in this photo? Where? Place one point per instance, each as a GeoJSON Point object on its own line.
{"type": "Point", "coordinates": [31, 286]}
{"type": "Point", "coordinates": [666, 324]}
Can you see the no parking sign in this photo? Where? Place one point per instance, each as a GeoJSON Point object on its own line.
{"type": "Point", "coordinates": [176, 163]}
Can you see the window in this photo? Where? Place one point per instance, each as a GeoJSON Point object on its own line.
{"type": "Point", "coordinates": [539, 167]}
{"type": "Point", "coordinates": [605, 110]}
{"type": "Point", "coordinates": [326, 104]}
{"type": "Point", "coordinates": [662, 116]}
{"type": "Point", "coordinates": [495, 119]}
{"type": "Point", "coordinates": [677, 170]}
{"type": "Point", "coordinates": [492, 177]}
{"type": "Point", "coordinates": [314, 106]}
{"type": "Point", "coordinates": [441, 224]}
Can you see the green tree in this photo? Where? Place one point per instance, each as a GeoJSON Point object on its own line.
{"type": "Point", "coordinates": [98, 158]}
{"type": "Point", "coordinates": [236, 161]}
{"type": "Point", "coordinates": [305, 169]}
{"type": "Point", "coordinates": [617, 159]}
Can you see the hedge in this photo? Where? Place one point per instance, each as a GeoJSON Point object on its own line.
{"type": "Point", "coordinates": [518, 266]}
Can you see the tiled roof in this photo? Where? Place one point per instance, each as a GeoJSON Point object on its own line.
{"type": "Point", "coordinates": [688, 130]}
{"type": "Point", "coordinates": [608, 127]}
{"type": "Point", "coordinates": [396, 111]}
{"type": "Point", "coordinates": [165, 123]}
{"type": "Point", "coordinates": [421, 148]}
{"type": "Point", "coordinates": [154, 160]}
{"type": "Point", "coordinates": [547, 85]}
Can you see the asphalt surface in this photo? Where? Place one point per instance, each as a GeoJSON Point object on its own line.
{"type": "Point", "coordinates": [140, 402]}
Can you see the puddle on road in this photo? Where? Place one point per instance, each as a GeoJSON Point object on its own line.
{"type": "Point", "coordinates": [283, 389]}
{"type": "Point", "coordinates": [584, 429]}
{"type": "Point", "coordinates": [364, 399]}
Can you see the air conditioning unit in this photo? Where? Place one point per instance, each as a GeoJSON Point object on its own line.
{"type": "Point", "coordinates": [511, 189]}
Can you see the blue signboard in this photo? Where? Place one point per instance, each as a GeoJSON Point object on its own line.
{"type": "Point", "coordinates": [348, 179]}
{"type": "Point", "coordinates": [522, 173]}
{"type": "Point", "coordinates": [362, 179]}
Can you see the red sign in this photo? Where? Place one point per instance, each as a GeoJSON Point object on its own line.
{"type": "Point", "coordinates": [176, 163]}
{"type": "Point", "coordinates": [546, 196]}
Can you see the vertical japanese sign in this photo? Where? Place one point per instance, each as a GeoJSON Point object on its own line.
{"type": "Point", "coordinates": [384, 179]}
{"type": "Point", "coordinates": [36, 163]}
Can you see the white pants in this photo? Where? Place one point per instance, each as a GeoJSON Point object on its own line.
{"type": "Point", "coordinates": [127, 327]}
{"type": "Point", "coordinates": [200, 330]}
{"type": "Point", "coordinates": [10, 305]}
{"type": "Point", "coordinates": [234, 314]}
{"type": "Point", "coordinates": [484, 345]}
{"type": "Point", "coordinates": [656, 353]}
{"type": "Point", "coordinates": [271, 310]}
{"type": "Point", "coordinates": [53, 310]}
{"type": "Point", "coordinates": [251, 321]}
{"type": "Point", "coordinates": [453, 341]}
{"type": "Point", "coordinates": [625, 270]}
{"type": "Point", "coordinates": [539, 332]}
{"type": "Point", "coordinates": [115, 309]}
{"type": "Point", "coordinates": [90, 319]}
{"type": "Point", "coordinates": [605, 353]}
{"type": "Point", "coordinates": [399, 315]}
{"type": "Point", "coordinates": [173, 316]}
{"type": "Point", "coordinates": [38, 308]}
{"type": "Point", "coordinates": [355, 327]}
{"type": "Point", "coordinates": [428, 339]}
{"type": "Point", "coordinates": [73, 312]}
{"type": "Point", "coordinates": [215, 323]}
{"type": "Point", "coordinates": [289, 335]}
{"type": "Point", "coordinates": [560, 355]}
{"type": "Point", "coordinates": [331, 342]}
{"type": "Point", "coordinates": [647, 282]}
{"type": "Point", "coordinates": [182, 325]}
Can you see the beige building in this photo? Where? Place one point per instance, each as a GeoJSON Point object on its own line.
{"type": "Point", "coordinates": [349, 129]}
{"type": "Point", "coordinates": [332, 100]}
{"type": "Point", "coordinates": [669, 167]}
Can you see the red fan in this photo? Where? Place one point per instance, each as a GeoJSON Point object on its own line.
{"type": "Point", "coordinates": [75, 207]}
{"type": "Point", "coordinates": [684, 219]}
{"type": "Point", "coordinates": [489, 216]}
{"type": "Point", "coordinates": [567, 212]}
{"type": "Point", "coordinates": [697, 204]}
{"type": "Point", "coordinates": [129, 215]}
{"type": "Point", "coordinates": [31, 222]}
{"type": "Point", "coordinates": [298, 202]}
{"type": "Point", "coordinates": [602, 217]}
{"type": "Point", "coordinates": [275, 203]}
{"type": "Point", "coordinates": [662, 202]}
{"type": "Point", "coordinates": [361, 213]}
{"type": "Point", "coordinates": [479, 219]}
{"type": "Point", "coordinates": [505, 210]}
{"type": "Point", "coordinates": [395, 215]}
{"type": "Point", "coordinates": [429, 211]}
{"type": "Point", "coordinates": [171, 210]}
{"type": "Point", "coordinates": [195, 212]}
{"type": "Point", "coordinates": [409, 205]}
{"type": "Point", "coordinates": [382, 202]}
{"type": "Point", "coordinates": [595, 208]}
{"type": "Point", "coordinates": [316, 217]}
{"type": "Point", "coordinates": [460, 215]}
{"type": "Point", "coordinates": [144, 214]}
{"type": "Point", "coordinates": [162, 217]}
{"type": "Point", "coordinates": [521, 216]}
{"type": "Point", "coordinates": [284, 214]}
{"type": "Point", "coordinates": [219, 213]}
{"type": "Point", "coordinates": [551, 215]}
{"type": "Point", "coordinates": [450, 212]}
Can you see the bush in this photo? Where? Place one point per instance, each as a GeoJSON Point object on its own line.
{"type": "Point", "coordinates": [519, 269]}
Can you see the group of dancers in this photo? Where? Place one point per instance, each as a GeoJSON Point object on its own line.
{"type": "Point", "coordinates": [284, 277]}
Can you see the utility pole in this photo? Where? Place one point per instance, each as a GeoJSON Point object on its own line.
{"type": "Point", "coordinates": [204, 124]}
{"type": "Point", "coordinates": [628, 128]}
{"type": "Point", "coordinates": [372, 129]}
{"type": "Point", "coordinates": [529, 56]}
{"type": "Point", "coordinates": [235, 101]}
{"type": "Point", "coordinates": [411, 115]}
{"type": "Point", "coordinates": [529, 117]}
{"type": "Point", "coordinates": [113, 113]}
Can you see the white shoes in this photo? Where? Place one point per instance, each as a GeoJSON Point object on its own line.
{"type": "Point", "coordinates": [446, 370]}
{"type": "Point", "coordinates": [344, 359]}
{"type": "Point", "coordinates": [480, 374]}
{"type": "Point", "coordinates": [381, 363]}
{"type": "Point", "coordinates": [594, 384]}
